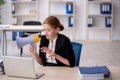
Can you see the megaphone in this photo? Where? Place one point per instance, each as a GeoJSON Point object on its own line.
{"type": "Point", "coordinates": [21, 41]}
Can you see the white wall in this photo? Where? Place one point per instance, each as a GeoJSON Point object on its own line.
{"type": "Point", "coordinates": [80, 18]}
{"type": "Point", "coordinates": [116, 27]}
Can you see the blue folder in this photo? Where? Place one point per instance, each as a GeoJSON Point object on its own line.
{"type": "Point", "coordinates": [94, 70]}
{"type": "Point", "coordinates": [14, 34]}
{"type": "Point", "coordinates": [105, 8]}
{"type": "Point", "coordinates": [69, 8]}
{"type": "Point", "coordinates": [108, 22]}
{"type": "Point", "coordinates": [70, 21]}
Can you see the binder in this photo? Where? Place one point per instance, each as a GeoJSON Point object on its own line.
{"type": "Point", "coordinates": [14, 21]}
{"type": "Point", "coordinates": [102, 8]}
{"type": "Point", "coordinates": [110, 8]}
{"type": "Point", "coordinates": [90, 22]}
{"type": "Point", "coordinates": [108, 22]}
{"type": "Point", "coordinates": [94, 70]}
{"type": "Point", "coordinates": [14, 34]}
{"type": "Point", "coordinates": [69, 8]}
{"type": "Point", "coordinates": [95, 73]}
{"type": "Point", "coordinates": [13, 8]}
{"type": "Point", "coordinates": [105, 8]}
{"type": "Point", "coordinates": [1, 67]}
{"type": "Point", "coordinates": [70, 21]}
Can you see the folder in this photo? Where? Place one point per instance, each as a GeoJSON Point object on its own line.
{"type": "Point", "coordinates": [90, 22]}
{"type": "Point", "coordinates": [14, 34]}
{"type": "Point", "coordinates": [14, 21]}
{"type": "Point", "coordinates": [70, 21]}
{"type": "Point", "coordinates": [69, 8]}
{"type": "Point", "coordinates": [1, 67]}
{"type": "Point", "coordinates": [102, 8]}
{"type": "Point", "coordinates": [108, 22]}
{"type": "Point", "coordinates": [110, 8]}
{"type": "Point", "coordinates": [95, 73]}
{"type": "Point", "coordinates": [13, 8]}
{"type": "Point", "coordinates": [105, 8]}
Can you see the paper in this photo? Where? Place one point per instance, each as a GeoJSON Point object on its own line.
{"type": "Point", "coordinates": [4, 26]}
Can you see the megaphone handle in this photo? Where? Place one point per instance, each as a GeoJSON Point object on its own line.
{"type": "Point", "coordinates": [33, 45]}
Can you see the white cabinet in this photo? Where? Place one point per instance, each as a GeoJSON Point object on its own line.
{"type": "Point", "coordinates": [24, 10]}
{"type": "Point", "coordinates": [99, 19]}
{"type": "Point", "coordinates": [64, 10]}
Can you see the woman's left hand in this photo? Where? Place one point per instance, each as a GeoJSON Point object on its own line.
{"type": "Point", "coordinates": [47, 51]}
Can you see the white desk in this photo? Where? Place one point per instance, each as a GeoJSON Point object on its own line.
{"type": "Point", "coordinates": [16, 28]}
{"type": "Point", "coordinates": [63, 73]}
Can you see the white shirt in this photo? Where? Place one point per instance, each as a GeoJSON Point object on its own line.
{"type": "Point", "coordinates": [51, 46]}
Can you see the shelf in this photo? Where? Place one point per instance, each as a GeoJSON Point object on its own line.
{"type": "Point", "coordinates": [61, 14]}
{"type": "Point", "coordinates": [24, 14]}
{"type": "Point", "coordinates": [100, 28]}
{"type": "Point", "coordinates": [101, 1]}
{"type": "Point", "coordinates": [61, 1]}
{"type": "Point", "coordinates": [21, 9]}
{"type": "Point", "coordinates": [99, 19]}
{"type": "Point", "coordinates": [24, 1]}
{"type": "Point", "coordinates": [100, 15]}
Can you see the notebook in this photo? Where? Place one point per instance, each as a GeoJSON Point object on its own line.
{"type": "Point", "coordinates": [20, 67]}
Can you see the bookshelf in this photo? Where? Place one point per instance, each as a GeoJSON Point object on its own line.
{"type": "Point", "coordinates": [99, 20]}
{"type": "Point", "coordinates": [24, 10]}
{"type": "Point", "coordinates": [64, 10]}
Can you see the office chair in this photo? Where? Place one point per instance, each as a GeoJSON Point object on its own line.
{"type": "Point", "coordinates": [77, 48]}
{"type": "Point", "coordinates": [25, 34]}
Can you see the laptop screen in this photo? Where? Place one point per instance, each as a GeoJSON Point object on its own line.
{"type": "Point", "coordinates": [19, 66]}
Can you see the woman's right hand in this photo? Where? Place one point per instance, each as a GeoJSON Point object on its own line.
{"type": "Point", "coordinates": [33, 48]}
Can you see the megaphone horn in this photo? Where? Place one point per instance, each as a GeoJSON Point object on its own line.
{"type": "Point", "coordinates": [21, 41]}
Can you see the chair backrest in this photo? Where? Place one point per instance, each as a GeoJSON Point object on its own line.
{"type": "Point", "coordinates": [32, 23]}
{"type": "Point", "coordinates": [77, 48]}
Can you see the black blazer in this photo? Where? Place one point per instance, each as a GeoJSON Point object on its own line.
{"type": "Point", "coordinates": [63, 48]}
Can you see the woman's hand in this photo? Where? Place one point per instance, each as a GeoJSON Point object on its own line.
{"type": "Point", "coordinates": [47, 51]}
{"type": "Point", "coordinates": [33, 48]}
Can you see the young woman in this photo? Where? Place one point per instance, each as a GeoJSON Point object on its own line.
{"type": "Point", "coordinates": [55, 48]}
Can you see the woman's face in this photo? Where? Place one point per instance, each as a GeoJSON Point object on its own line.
{"type": "Point", "coordinates": [50, 32]}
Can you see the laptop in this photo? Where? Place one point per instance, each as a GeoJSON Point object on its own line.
{"type": "Point", "coordinates": [20, 67]}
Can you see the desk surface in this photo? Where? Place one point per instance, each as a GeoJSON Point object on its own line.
{"type": "Point", "coordinates": [63, 73]}
{"type": "Point", "coordinates": [22, 28]}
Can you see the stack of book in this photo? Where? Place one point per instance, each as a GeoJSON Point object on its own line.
{"type": "Point", "coordinates": [95, 73]}
{"type": "Point", "coordinates": [1, 67]}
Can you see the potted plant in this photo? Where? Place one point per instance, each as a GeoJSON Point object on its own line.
{"type": "Point", "coordinates": [2, 2]}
